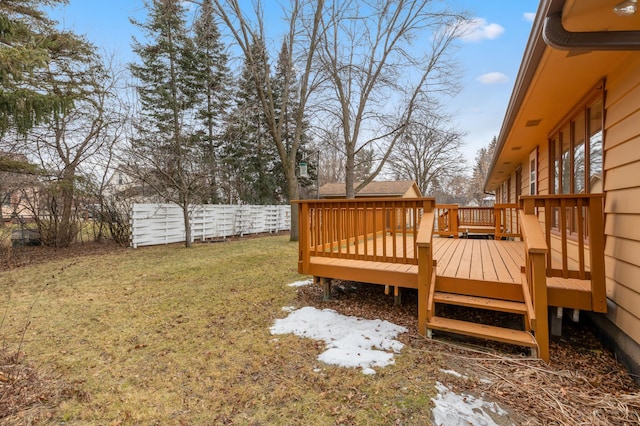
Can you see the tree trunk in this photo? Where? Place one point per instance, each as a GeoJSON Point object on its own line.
{"type": "Point", "coordinates": [65, 232]}
{"type": "Point", "coordinates": [349, 170]}
{"type": "Point", "coordinates": [187, 224]}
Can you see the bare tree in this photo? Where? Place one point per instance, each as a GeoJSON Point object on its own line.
{"type": "Point", "coordinates": [66, 146]}
{"type": "Point", "coordinates": [303, 18]}
{"type": "Point", "coordinates": [428, 152]}
{"type": "Point", "coordinates": [381, 59]}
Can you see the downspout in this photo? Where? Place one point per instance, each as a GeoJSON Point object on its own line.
{"type": "Point", "coordinates": [556, 36]}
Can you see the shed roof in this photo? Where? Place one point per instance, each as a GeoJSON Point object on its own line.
{"type": "Point", "coordinates": [394, 188]}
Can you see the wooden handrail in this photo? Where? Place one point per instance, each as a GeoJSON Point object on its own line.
{"type": "Point", "coordinates": [574, 234]}
{"type": "Point", "coordinates": [507, 221]}
{"type": "Point", "coordinates": [501, 220]}
{"type": "Point", "coordinates": [350, 229]}
{"type": "Point", "coordinates": [536, 250]}
{"type": "Point", "coordinates": [425, 270]}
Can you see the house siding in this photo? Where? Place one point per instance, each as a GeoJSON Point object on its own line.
{"type": "Point", "coordinates": [622, 203]}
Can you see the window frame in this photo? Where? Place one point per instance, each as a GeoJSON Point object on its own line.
{"type": "Point", "coordinates": [556, 141]}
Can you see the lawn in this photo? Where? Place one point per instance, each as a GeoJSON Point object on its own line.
{"type": "Point", "coordinates": [169, 335]}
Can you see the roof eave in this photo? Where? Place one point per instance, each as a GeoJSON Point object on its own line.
{"type": "Point", "coordinates": [530, 60]}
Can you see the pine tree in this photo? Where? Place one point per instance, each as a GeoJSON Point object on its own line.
{"type": "Point", "coordinates": [165, 150]}
{"type": "Point", "coordinates": [250, 159]}
{"type": "Point", "coordinates": [29, 41]}
{"type": "Point", "coordinates": [211, 82]}
{"type": "Point", "coordinates": [481, 170]}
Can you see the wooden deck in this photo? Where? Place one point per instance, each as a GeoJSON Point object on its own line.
{"type": "Point", "coordinates": [413, 243]}
{"type": "Point", "coordinates": [460, 263]}
{"type": "Point", "coordinates": [479, 260]}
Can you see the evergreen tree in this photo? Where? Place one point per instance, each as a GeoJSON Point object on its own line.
{"type": "Point", "coordinates": [167, 155]}
{"type": "Point", "coordinates": [286, 92]}
{"type": "Point", "coordinates": [211, 82]}
{"type": "Point", "coordinates": [250, 159]}
{"type": "Point", "coordinates": [29, 42]}
{"type": "Point", "coordinates": [481, 170]}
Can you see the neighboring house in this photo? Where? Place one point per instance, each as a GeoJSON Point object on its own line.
{"type": "Point", "coordinates": [398, 188]}
{"type": "Point", "coordinates": [124, 186]}
{"type": "Point", "coordinates": [18, 191]}
{"type": "Point", "coordinates": [572, 126]}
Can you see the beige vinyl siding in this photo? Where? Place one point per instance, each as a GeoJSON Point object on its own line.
{"type": "Point", "coordinates": [543, 168]}
{"type": "Point", "coordinates": [622, 205]}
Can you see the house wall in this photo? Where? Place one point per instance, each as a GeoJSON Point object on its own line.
{"type": "Point", "coordinates": [622, 199]}
{"type": "Point", "coordinates": [622, 202]}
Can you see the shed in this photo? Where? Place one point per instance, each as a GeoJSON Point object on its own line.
{"type": "Point", "coordinates": [393, 188]}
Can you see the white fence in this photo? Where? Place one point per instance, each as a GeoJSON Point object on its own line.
{"type": "Point", "coordinates": [153, 224]}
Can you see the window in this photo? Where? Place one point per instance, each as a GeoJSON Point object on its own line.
{"type": "Point", "coordinates": [575, 148]}
{"type": "Point", "coordinates": [533, 176]}
{"type": "Point", "coordinates": [518, 183]}
{"type": "Point", "coordinates": [575, 153]}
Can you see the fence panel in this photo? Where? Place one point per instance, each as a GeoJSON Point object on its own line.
{"type": "Point", "coordinates": [153, 224]}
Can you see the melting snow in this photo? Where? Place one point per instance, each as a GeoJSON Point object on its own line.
{"type": "Point", "coordinates": [301, 283]}
{"type": "Point", "coordinates": [356, 342]}
{"type": "Point", "coordinates": [463, 410]}
{"type": "Point", "coordinates": [351, 342]}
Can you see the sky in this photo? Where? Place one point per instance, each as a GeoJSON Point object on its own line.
{"type": "Point", "coordinates": [489, 57]}
{"type": "Point", "coordinates": [352, 342]}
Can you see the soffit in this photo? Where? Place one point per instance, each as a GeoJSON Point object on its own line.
{"type": "Point", "coordinates": [561, 79]}
{"type": "Point", "coordinates": [596, 15]}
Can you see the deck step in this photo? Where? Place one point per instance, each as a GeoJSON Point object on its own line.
{"type": "Point", "coordinates": [499, 334]}
{"type": "Point", "coordinates": [480, 302]}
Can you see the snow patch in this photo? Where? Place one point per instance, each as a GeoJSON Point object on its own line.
{"type": "Point", "coordinates": [463, 410]}
{"type": "Point", "coordinates": [301, 283]}
{"type": "Point", "coordinates": [350, 341]}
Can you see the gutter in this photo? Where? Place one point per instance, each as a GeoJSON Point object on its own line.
{"type": "Point", "coordinates": [548, 30]}
{"type": "Point", "coordinates": [557, 37]}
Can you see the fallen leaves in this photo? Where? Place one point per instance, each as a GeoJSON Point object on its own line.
{"type": "Point", "coordinates": [584, 383]}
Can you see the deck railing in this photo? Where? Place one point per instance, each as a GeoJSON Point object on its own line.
{"type": "Point", "coordinates": [351, 229]}
{"type": "Point", "coordinates": [564, 238]}
{"type": "Point", "coordinates": [574, 235]}
{"type": "Point", "coordinates": [501, 220]}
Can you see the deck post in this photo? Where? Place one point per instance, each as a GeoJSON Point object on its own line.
{"type": "Point", "coordinates": [454, 221]}
{"type": "Point", "coordinates": [397, 296]}
{"type": "Point", "coordinates": [326, 287]}
{"type": "Point", "coordinates": [536, 252]}
{"type": "Point", "coordinates": [596, 253]}
{"type": "Point", "coordinates": [538, 272]}
{"type": "Point", "coordinates": [424, 242]}
{"type": "Point", "coordinates": [304, 237]}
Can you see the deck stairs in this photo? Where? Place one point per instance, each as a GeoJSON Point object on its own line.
{"type": "Point", "coordinates": [475, 299]}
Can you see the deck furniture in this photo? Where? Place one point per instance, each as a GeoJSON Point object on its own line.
{"type": "Point", "coordinates": [547, 251]}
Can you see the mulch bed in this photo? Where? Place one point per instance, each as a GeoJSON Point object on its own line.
{"type": "Point", "coordinates": [583, 384]}
{"type": "Point", "coordinates": [17, 257]}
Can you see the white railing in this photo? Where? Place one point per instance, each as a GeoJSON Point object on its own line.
{"type": "Point", "coordinates": [153, 224]}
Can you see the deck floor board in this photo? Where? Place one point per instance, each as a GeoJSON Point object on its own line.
{"type": "Point", "coordinates": [472, 260]}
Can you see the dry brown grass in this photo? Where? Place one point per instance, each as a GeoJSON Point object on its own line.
{"type": "Point", "coordinates": [169, 335]}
